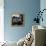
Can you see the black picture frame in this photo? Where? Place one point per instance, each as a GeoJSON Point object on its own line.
{"type": "Point", "coordinates": [17, 20]}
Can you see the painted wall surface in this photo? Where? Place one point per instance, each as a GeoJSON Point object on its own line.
{"type": "Point", "coordinates": [29, 7]}
{"type": "Point", "coordinates": [43, 6]}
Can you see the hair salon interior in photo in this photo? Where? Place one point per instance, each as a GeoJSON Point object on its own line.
{"type": "Point", "coordinates": [22, 22]}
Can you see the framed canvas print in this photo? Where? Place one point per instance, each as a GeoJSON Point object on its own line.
{"type": "Point", "coordinates": [17, 19]}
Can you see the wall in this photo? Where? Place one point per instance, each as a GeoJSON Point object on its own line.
{"type": "Point", "coordinates": [29, 7]}
{"type": "Point", "coordinates": [43, 6]}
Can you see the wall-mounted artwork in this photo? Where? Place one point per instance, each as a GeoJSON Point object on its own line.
{"type": "Point", "coordinates": [17, 19]}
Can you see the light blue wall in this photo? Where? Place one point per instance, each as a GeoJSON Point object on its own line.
{"type": "Point", "coordinates": [29, 7]}
{"type": "Point", "coordinates": [43, 6]}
